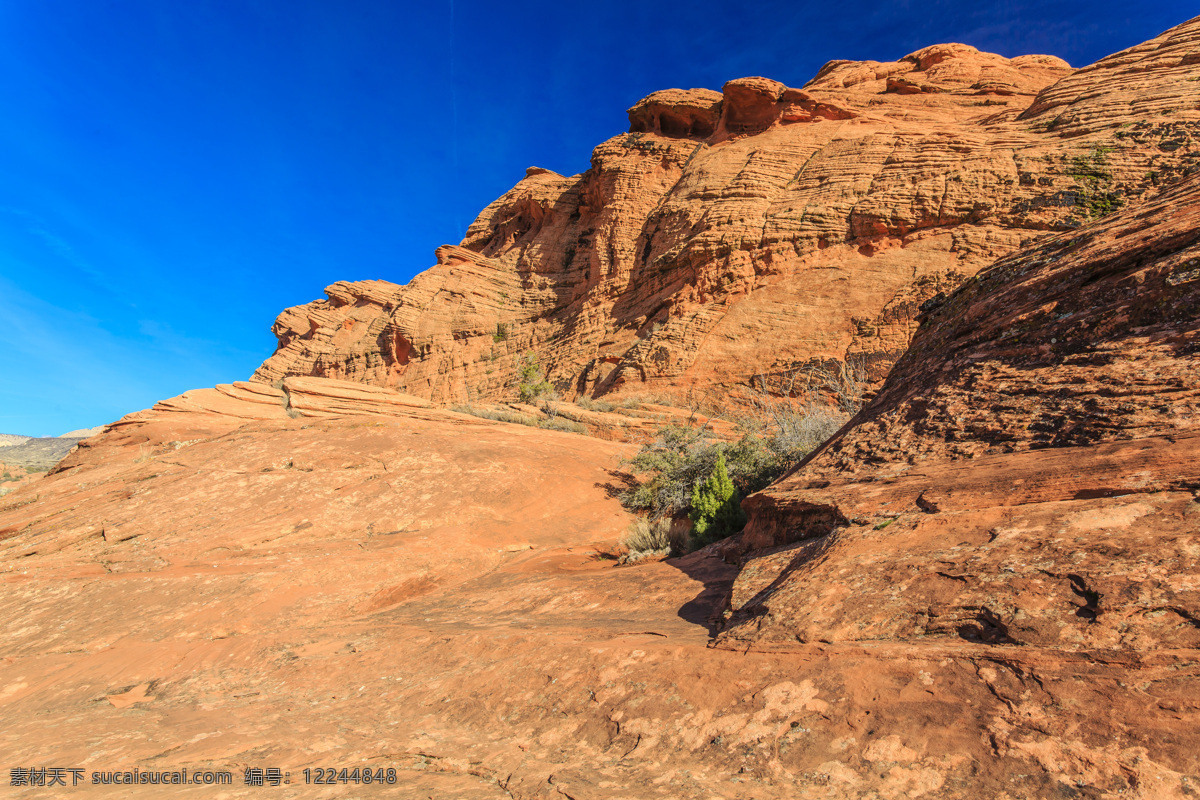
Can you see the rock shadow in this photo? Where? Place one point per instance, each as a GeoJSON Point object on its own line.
{"type": "Point", "coordinates": [707, 608]}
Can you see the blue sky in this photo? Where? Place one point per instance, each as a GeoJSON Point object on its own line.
{"type": "Point", "coordinates": [173, 174]}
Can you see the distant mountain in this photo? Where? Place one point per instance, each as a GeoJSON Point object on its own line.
{"type": "Point", "coordinates": [40, 453]}
{"type": "Point", "coordinates": [82, 433]}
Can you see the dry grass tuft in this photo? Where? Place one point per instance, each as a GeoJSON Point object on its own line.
{"type": "Point", "coordinates": [660, 537]}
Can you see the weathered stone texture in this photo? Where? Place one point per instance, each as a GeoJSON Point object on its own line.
{"type": "Point", "coordinates": [748, 232]}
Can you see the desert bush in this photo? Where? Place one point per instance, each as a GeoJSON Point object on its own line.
{"type": "Point", "coordinates": [561, 424]}
{"type": "Point", "coordinates": [517, 418]}
{"type": "Point", "coordinates": [679, 457]}
{"type": "Point", "coordinates": [658, 537]}
{"type": "Point", "coordinates": [681, 467]}
{"type": "Point", "coordinates": [841, 385]}
{"type": "Point", "coordinates": [645, 536]}
{"type": "Point", "coordinates": [589, 404]}
{"type": "Point", "coordinates": [532, 386]}
{"type": "Point", "coordinates": [647, 398]}
{"type": "Point", "coordinates": [788, 431]}
{"type": "Point", "coordinates": [672, 462]}
{"type": "Point", "coordinates": [846, 383]}
{"type": "Point", "coordinates": [498, 414]}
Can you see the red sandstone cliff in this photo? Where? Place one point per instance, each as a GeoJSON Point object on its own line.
{"type": "Point", "coordinates": [1038, 444]}
{"type": "Point", "coordinates": [1022, 496]}
{"type": "Point", "coordinates": [987, 585]}
{"type": "Point", "coordinates": [743, 233]}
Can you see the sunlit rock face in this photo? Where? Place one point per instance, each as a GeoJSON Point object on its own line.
{"type": "Point", "coordinates": [738, 236]}
{"type": "Point", "coordinates": [985, 585]}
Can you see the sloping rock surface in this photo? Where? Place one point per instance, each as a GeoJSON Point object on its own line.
{"type": "Point", "coordinates": [327, 575]}
{"type": "Point", "coordinates": [748, 234]}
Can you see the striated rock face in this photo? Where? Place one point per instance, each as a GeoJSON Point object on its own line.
{"type": "Point", "coordinates": [986, 585]}
{"type": "Point", "coordinates": [740, 235]}
{"type": "Point", "coordinates": [1026, 490]}
{"type": "Point", "coordinates": [1048, 416]}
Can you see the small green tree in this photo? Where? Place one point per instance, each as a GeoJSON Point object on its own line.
{"type": "Point", "coordinates": [532, 385]}
{"type": "Point", "coordinates": [716, 506]}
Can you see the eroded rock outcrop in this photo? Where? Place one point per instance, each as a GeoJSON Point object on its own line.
{"type": "Point", "coordinates": [985, 586]}
{"type": "Point", "coordinates": [1055, 391]}
{"type": "Point", "coordinates": [1026, 488]}
{"type": "Point", "coordinates": [753, 231]}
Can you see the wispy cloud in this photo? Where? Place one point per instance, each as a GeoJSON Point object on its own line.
{"type": "Point", "coordinates": [63, 369]}
{"type": "Point", "coordinates": [56, 246]}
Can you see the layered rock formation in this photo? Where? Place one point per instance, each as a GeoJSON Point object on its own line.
{"type": "Point", "coordinates": [986, 585]}
{"type": "Point", "coordinates": [736, 237]}
{"type": "Point", "coordinates": [1025, 490]}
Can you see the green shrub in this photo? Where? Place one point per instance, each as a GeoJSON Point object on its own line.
{"type": "Point", "coordinates": [716, 506]}
{"type": "Point", "coordinates": [532, 386]}
{"type": "Point", "coordinates": [776, 435]}
{"type": "Point", "coordinates": [672, 463]}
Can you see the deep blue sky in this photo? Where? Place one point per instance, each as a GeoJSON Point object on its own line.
{"type": "Point", "coordinates": [173, 174]}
